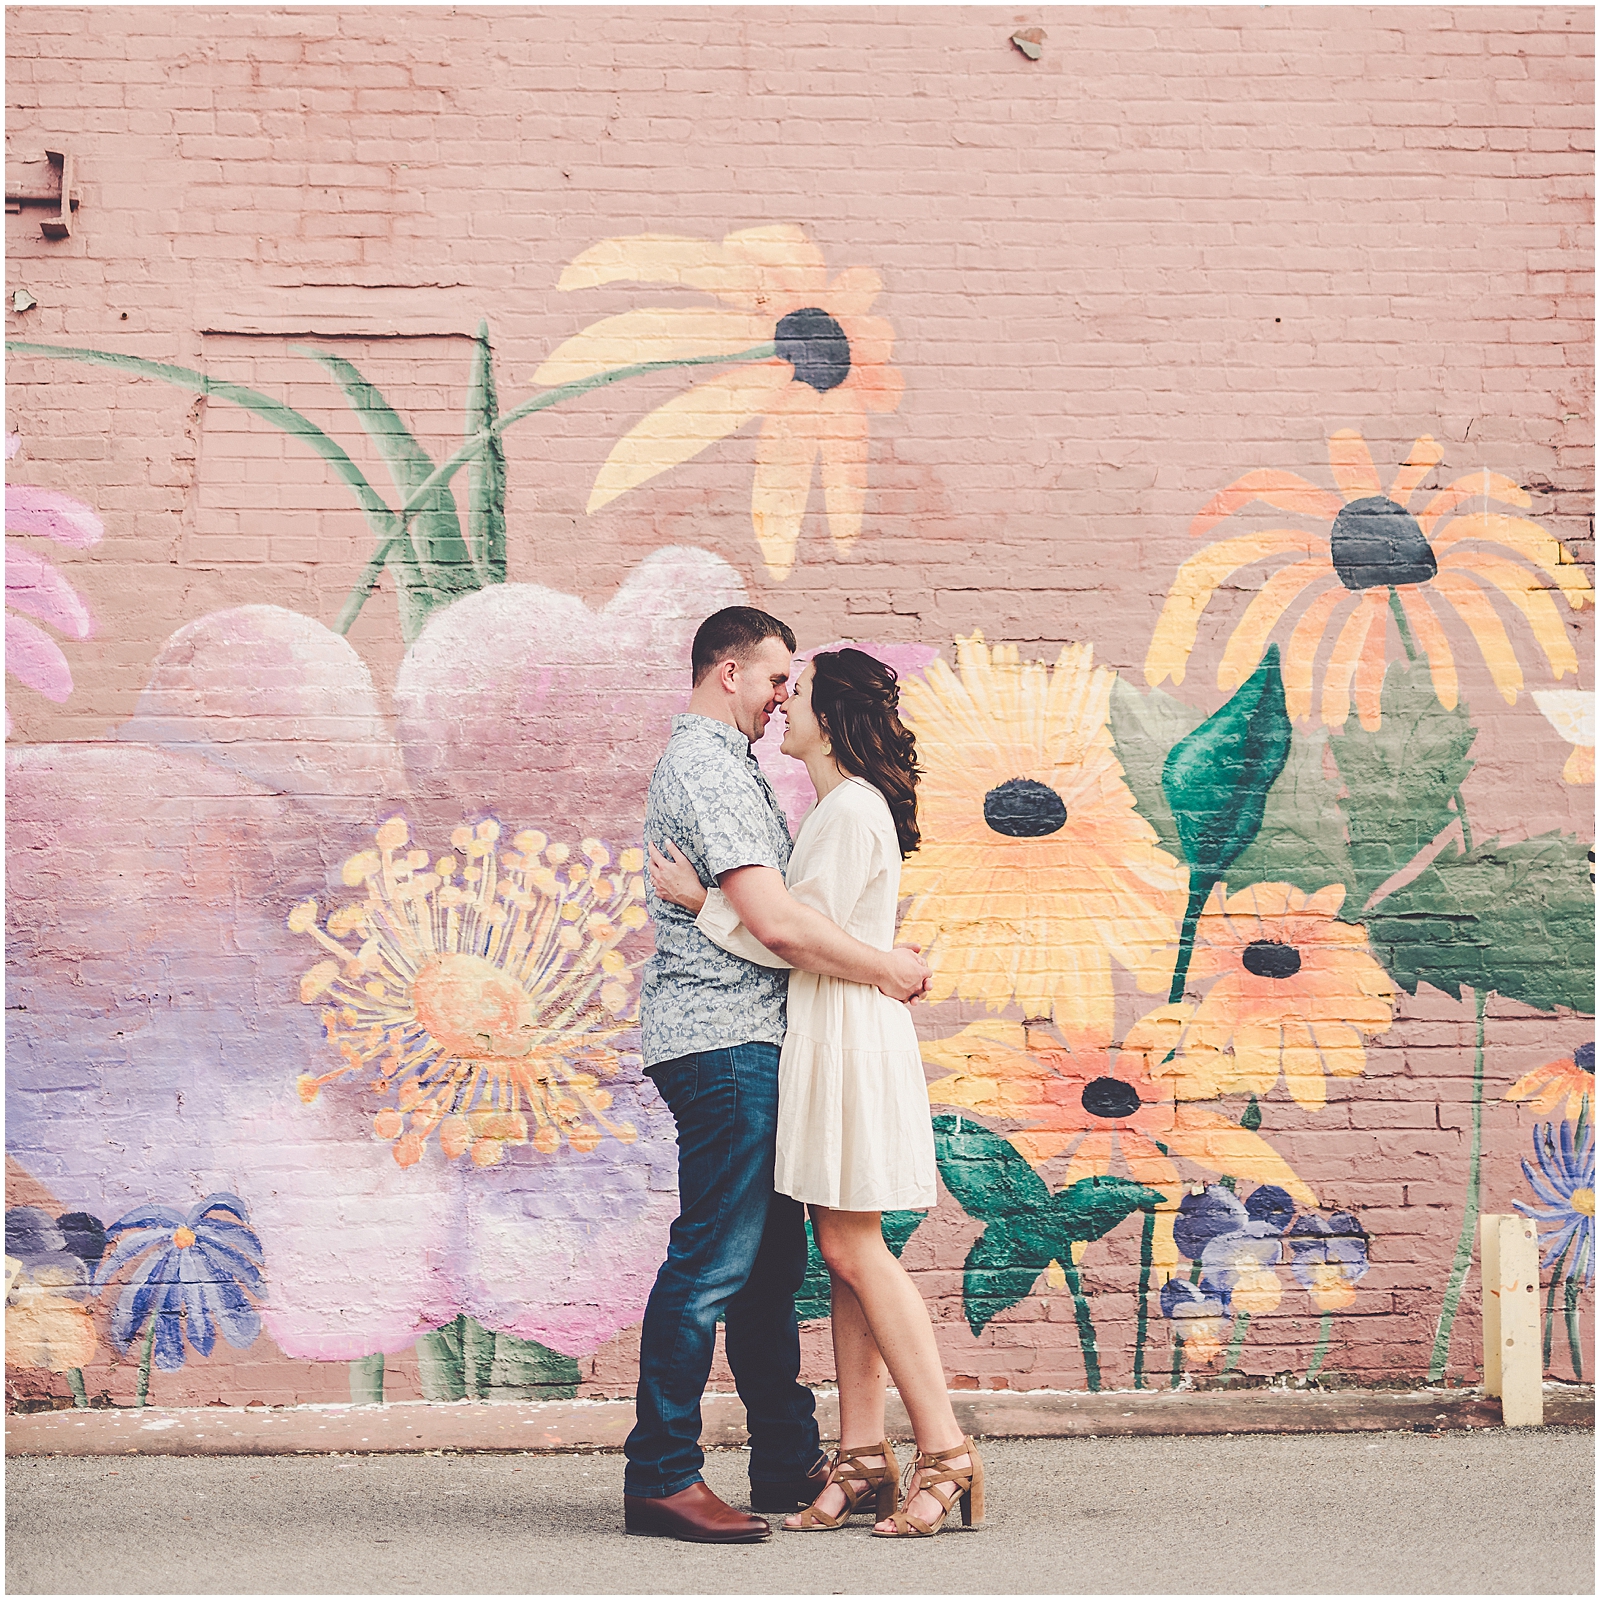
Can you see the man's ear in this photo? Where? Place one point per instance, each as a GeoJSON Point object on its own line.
{"type": "Point", "coordinates": [726, 672]}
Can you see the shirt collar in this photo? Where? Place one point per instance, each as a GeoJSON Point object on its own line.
{"type": "Point", "coordinates": [724, 732]}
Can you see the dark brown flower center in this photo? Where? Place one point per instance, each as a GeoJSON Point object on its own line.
{"type": "Point", "coordinates": [815, 346]}
{"type": "Point", "coordinates": [1269, 958]}
{"type": "Point", "coordinates": [1377, 542]}
{"type": "Point", "coordinates": [1110, 1098]}
{"type": "Point", "coordinates": [1024, 808]}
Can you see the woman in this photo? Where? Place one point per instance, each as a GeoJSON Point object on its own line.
{"type": "Point", "coordinates": [855, 1137]}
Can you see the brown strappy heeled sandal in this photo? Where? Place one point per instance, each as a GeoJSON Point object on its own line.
{"type": "Point", "coordinates": [947, 1485]}
{"type": "Point", "coordinates": [850, 1471]}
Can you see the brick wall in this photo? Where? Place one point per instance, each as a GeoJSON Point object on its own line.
{"type": "Point", "coordinates": [1179, 247]}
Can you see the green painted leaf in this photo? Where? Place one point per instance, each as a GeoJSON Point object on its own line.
{"type": "Point", "coordinates": [366, 1380]}
{"type": "Point", "coordinates": [1399, 780]}
{"type": "Point", "coordinates": [1514, 918]}
{"type": "Point", "coordinates": [988, 1178]}
{"type": "Point", "coordinates": [1216, 779]}
{"type": "Point", "coordinates": [898, 1226]}
{"type": "Point", "coordinates": [1302, 837]}
{"type": "Point", "coordinates": [486, 477]}
{"type": "Point", "coordinates": [1092, 1207]}
{"type": "Point", "coordinates": [524, 1369]}
{"type": "Point", "coordinates": [1144, 727]}
{"type": "Point", "coordinates": [1250, 1120]}
{"type": "Point", "coordinates": [442, 561]}
{"type": "Point", "coordinates": [440, 1366]}
{"type": "Point", "coordinates": [1001, 1270]}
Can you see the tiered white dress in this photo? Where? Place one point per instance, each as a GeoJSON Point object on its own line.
{"type": "Point", "coordinates": [854, 1129]}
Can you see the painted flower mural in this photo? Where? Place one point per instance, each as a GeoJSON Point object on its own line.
{"type": "Point", "coordinates": [183, 986]}
{"type": "Point", "coordinates": [1570, 1079]}
{"type": "Point", "coordinates": [814, 364]}
{"type": "Point", "coordinates": [1103, 1108]}
{"type": "Point", "coordinates": [1563, 1184]}
{"type": "Point", "coordinates": [482, 1003]}
{"type": "Point", "coordinates": [1295, 991]}
{"type": "Point", "coordinates": [49, 1261]}
{"type": "Point", "coordinates": [1036, 871]}
{"type": "Point", "coordinates": [1571, 713]}
{"type": "Point", "coordinates": [1329, 1258]}
{"type": "Point", "coordinates": [190, 1283]}
{"type": "Point", "coordinates": [1384, 558]}
{"type": "Point", "coordinates": [34, 588]}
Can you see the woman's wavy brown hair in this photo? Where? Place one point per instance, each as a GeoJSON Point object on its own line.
{"type": "Point", "coordinates": [857, 700]}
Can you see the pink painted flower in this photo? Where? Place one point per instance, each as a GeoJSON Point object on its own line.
{"type": "Point", "coordinates": [157, 981]}
{"type": "Point", "coordinates": [36, 588]}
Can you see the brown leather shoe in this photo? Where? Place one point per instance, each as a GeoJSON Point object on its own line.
{"type": "Point", "coordinates": [695, 1514]}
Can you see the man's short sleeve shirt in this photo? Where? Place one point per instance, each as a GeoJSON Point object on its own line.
{"type": "Point", "coordinates": [709, 796]}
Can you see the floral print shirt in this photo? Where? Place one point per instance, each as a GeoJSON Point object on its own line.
{"type": "Point", "coordinates": [712, 800]}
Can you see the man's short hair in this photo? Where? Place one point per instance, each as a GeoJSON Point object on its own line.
{"type": "Point", "coordinates": [733, 634]}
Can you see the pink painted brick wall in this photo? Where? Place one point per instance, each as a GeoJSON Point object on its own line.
{"type": "Point", "coordinates": [1180, 246]}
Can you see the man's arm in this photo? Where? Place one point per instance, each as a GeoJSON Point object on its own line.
{"type": "Point", "coordinates": [808, 940]}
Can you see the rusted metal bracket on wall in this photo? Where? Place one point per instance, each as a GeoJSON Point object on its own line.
{"type": "Point", "coordinates": [30, 185]}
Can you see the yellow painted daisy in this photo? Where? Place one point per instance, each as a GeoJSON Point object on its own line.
{"type": "Point", "coordinates": [831, 368]}
{"type": "Point", "coordinates": [1296, 990]}
{"type": "Point", "coordinates": [1035, 869]}
{"type": "Point", "coordinates": [1380, 556]}
{"type": "Point", "coordinates": [484, 990]}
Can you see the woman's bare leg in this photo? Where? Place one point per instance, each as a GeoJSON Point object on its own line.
{"type": "Point", "coordinates": [897, 1324]}
{"type": "Point", "coordinates": [863, 1379]}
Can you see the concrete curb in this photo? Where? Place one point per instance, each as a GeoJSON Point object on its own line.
{"type": "Point", "coordinates": [418, 1426]}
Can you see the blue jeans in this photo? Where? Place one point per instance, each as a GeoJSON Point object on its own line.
{"type": "Point", "coordinates": [739, 1250]}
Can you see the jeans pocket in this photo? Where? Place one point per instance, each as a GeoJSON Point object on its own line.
{"type": "Point", "coordinates": [678, 1081]}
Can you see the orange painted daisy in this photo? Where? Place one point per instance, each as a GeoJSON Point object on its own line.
{"type": "Point", "coordinates": [1571, 1079]}
{"type": "Point", "coordinates": [1382, 558]}
{"type": "Point", "coordinates": [1296, 989]}
{"type": "Point", "coordinates": [829, 369]}
{"type": "Point", "coordinates": [1106, 1105]}
{"type": "Point", "coordinates": [1035, 869]}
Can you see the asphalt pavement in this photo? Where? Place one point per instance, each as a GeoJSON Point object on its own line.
{"type": "Point", "coordinates": [1485, 1512]}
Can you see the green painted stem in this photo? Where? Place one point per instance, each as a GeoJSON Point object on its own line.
{"type": "Point", "coordinates": [1080, 1306]}
{"type": "Point", "coordinates": [1241, 1326]}
{"type": "Point", "coordinates": [1574, 1333]}
{"type": "Point", "coordinates": [142, 1390]}
{"type": "Point", "coordinates": [1320, 1354]}
{"type": "Point", "coordinates": [1199, 892]}
{"type": "Point", "coordinates": [542, 402]}
{"type": "Point", "coordinates": [1466, 827]}
{"type": "Point", "coordinates": [1147, 1250]}
{"type": "Point", "coordinates": [366, 1380]}
{"type": "Point", "coordinates": [80, 1395]}
{"type": "Point", "coordinates": [1402, 624]}
{"type": "Point", "coordinates": [1177, 1343]}
{"type": "Point", "coordinates": [1550, 1303]}
{"type": "Point", "coordinates": [1469, 1219]}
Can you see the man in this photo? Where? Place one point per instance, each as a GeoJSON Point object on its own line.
{"type": "Point", "coordinates": [712, 1026]}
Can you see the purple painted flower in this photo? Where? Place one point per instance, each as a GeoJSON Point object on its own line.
{"type": "Point", "coordinates": [191, 1281]}
{"type": "Point", "coordinates": [1205, 1216]}
{"type": "Point", "coordinates": [1329, 1257]}
{"type": "Point", "coordinates": [155, 971]}
{"type": "Point", "coordinates": [34, 588]}
{"type": "Point", "coordinates": [1197, 1315]}
{"type": "Point", "coordinates": [1238, 1268]}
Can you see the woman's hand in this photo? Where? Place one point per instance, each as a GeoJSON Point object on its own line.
{"type": "Point", "coordinates": [674, 880]}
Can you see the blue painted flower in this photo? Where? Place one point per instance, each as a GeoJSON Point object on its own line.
{"type": "Point", "coordinates": [1565, 1184]}
{"type": "Point", "coordinates": [1197, 1317]}
{"type": "Point", "coordinates": [190, 1283]}
{"type": "Point", "coordinates": [1329, 1256]}
{"type": "Point", "coordinates": [1269, 1204]}
{"type": "Point", "coordinates": [1205, 1216]}
{"type": "Point", "coordinates": [1238, 1268]}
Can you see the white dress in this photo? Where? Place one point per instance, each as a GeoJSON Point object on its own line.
{"type": "Point", "coordinates": [854, 1129]}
